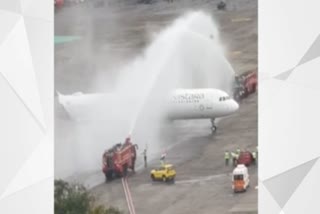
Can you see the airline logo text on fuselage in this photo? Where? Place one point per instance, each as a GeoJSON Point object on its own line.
{"type": "Point", "coordinates": [188, 98]}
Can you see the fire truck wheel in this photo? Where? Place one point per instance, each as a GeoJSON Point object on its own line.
{"type": "Point", "coordinates": [125, 170]}
{"type": "Point", "coordinates": [108, 176]}
{"type": "Point", "coordinates": [118, 175]}
{"type": "Point", "coordinates": [254, 88]}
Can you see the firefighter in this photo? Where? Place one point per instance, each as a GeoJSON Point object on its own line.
{"type": "Point", "coordinates": [227, 157]}
{"type": "Point", "coordinates": [254, 157]}
{"type": "Point", "coordinates": [162, 159]}
{"type": "Point", "coordinates": [145, 157]}
{"type": "Point", "coordinates": [128, 140]}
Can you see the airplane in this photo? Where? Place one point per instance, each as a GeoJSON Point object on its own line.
{"type": "Point", "coordinates": [201, 104]}
{"type": "Point", "coordinates": [184, 104]}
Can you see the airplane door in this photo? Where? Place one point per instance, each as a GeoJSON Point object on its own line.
{"type": "Point", "coordinates": [209, 105]}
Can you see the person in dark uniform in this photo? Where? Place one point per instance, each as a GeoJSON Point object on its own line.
{"type": "Point", "coordinates": [145, 157]}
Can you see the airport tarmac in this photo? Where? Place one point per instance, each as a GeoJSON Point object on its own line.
{"type": "Point", "coordinates": [203, 183]}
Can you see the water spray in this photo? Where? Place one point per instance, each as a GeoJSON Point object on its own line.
{"type": "Point", "coordinates": [168, 63]}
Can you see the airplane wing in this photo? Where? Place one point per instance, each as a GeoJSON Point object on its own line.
{"type": "Point", "coordinates": [99, 106]}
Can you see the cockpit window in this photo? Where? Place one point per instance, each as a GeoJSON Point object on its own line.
{"type": "Point", "coordinates": [224, 98]}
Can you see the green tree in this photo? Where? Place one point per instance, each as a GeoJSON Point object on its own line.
{"type": "Point", "coordinates": [75, 199]}
{"type": "Point", "coordinates": [103, 210]}
{"type": "Point", "coordinates": [71, 198]}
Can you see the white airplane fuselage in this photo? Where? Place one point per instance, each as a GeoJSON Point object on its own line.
{"type": "Point", "coordinates": [183, 104]}
{"type": "Point", "coordinates": [200, 104]}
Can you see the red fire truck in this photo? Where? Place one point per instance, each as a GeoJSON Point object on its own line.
{"type": "Point", "coordinates": [245, 158]}
{"type": "Point", "coordinates": [251, 82]}
{"type": "Point", "coordinates": [58, 3]}
{"type": "Point", "coordinates": [245, 84]}
{"type": "Point", "coordinates": [117, 160]}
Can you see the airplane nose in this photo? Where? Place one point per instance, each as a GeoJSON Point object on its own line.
{"type": "Point", "coordinates": [234, 106]}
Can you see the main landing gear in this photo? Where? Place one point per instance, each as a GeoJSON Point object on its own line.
{"type": "Point", "coordinates": [213, 126]}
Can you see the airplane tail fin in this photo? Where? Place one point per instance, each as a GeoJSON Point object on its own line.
{"type": "Point", "coordinates": [60, 97]}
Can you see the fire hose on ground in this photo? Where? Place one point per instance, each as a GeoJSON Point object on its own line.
{"type": "Point", "coordinates": [128, 195]}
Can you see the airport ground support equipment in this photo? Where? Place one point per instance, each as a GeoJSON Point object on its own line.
{"type": "Point", "coordinates": [240, 179]}
{"type": "Point", "coordinates": [245, 84]}
{"type": "Point", "coordinates": [245, 158]}
{"type": "Point", "coordinates": [164, 173]}
{"type": "Point", "coordinates": [58, 3]}
{"type": "Point", "coordinates": [117, 160]}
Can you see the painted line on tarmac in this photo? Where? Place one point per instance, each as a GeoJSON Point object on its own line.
{"type": "Point", "coordinates": [192, 181]}
{"type": "Point", "coordinates": [125, 188]}
{"type": "Point", "coordinates": [65, 39]}
{"type": "Point", "coordinates": [241, 20]}
{"type": "Point", "coordinates": [130, 197]}
{"type": "Point", "coordinates": [236, 52]}
{"type": "Point", "coordinates": [201, 179]}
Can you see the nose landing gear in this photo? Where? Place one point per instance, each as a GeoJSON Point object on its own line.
{"type": "Point", "coordinates": [213, 126]}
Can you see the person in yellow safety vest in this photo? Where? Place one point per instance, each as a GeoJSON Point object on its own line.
{"type": "Point", "coordinates": [254, 156]}
{"type": "Point", "coordinates": [227, 157]}
{"type": "Point", "coordinates": [238, 151]}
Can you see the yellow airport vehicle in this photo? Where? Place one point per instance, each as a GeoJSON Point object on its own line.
{"type": "Point", "coordinates": [164, 173]}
